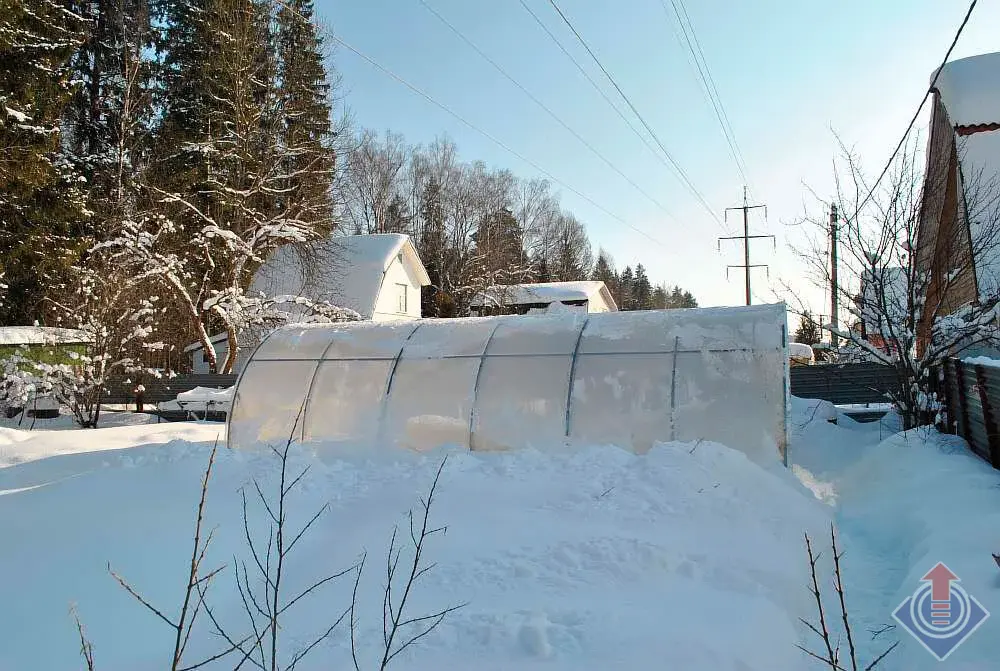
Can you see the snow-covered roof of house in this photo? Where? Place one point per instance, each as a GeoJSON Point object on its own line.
{"type": "Point", "coordinates": [544, 292]}
{"type": "Point", "coordinates": [215, 340]}
{"type": "Point", "coordinates": [800, 350]}
{"type": "Point", "coordinates": [346, 271]}
{"type": "Point", "coordinates": [970, 89]}
{"type": "Point", "coordinates": [41, 335]}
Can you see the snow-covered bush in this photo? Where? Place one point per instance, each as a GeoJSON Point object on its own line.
{"type": "Point", "coordinates": [112, 309]}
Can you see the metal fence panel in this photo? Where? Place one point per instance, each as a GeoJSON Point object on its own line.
{"type": "Point", "coordinates": [843, 383]}
{"type": "Point", "coordinates": [972, 393]}
{"type": "Point", "coordinates": [121, 391]}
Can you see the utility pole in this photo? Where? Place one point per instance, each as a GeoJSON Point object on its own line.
{"type": "Point", "coordinates": [746, 238]}
{"type": "Point", "coordinates": [834, 287]}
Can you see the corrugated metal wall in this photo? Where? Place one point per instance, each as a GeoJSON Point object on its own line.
{"type": "Point", "coordinates": [972, 397]}
{"type": "Point", "coordinates": [843, 383]}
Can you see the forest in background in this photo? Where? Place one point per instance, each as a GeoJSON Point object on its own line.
{"type": "Point", "coordinates": [158, 151]}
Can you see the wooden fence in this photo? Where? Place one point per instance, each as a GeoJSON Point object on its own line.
{"type": "Point", "coordinates": [972, 399]}
{"type": "Point", "coordinates": [843, 383]}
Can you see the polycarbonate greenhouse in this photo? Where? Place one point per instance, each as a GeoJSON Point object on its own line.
{"type": "Point", "coordinates": [627, 378]}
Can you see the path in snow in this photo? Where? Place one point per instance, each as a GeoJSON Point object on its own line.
{"type": "Point", "coordinates": [902, 502]}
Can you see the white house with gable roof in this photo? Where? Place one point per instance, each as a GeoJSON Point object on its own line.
{"type": "Point", "coordinates": [378, 276]}
{"type": "Point", "coordinates": [585, 296]}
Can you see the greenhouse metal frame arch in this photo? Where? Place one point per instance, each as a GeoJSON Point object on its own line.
{"type": "Point", "coordinates": [487, 383]}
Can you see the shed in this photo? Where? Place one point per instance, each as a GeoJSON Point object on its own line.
{"type": "Point", "coordinates": [585, 296]}
{"type": "Point", "coordinates": [46, 344]}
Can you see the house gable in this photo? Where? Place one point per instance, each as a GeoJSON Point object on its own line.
{"type": "Point", "coordinates": [399, 293]}
{"type": "Point", "coordinates": [347, 271]}
{"type": "Point", "coordinates": [960, 217]}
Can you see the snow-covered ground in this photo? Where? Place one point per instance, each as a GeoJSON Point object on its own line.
{"type": "Point", "coordinates": [688, 557]}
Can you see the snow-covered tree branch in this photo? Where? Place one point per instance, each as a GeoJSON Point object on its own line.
{"type": "Point", "coordinates": [902, 305]}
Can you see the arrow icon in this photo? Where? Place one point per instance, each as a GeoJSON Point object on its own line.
{"type": "Point", "coordinates": [940, 578]}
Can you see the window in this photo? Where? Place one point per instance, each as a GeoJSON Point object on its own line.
{"type": "Point", "coordinates": [401, 291]}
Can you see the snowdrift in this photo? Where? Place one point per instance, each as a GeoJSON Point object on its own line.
{"type": "Point", "coordinates": [624, 378]}
{"type": "Point", "coordinates": [687, 557]}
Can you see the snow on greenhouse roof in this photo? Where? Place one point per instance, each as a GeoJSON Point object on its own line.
{"type": "Point", "coordinates": [970, 89]}
{"type": "Point", "coordinates": [41, 335]}
{"type": "Point", "coordinates": [503, 382]}
{"type": "Point", "coordinates": [346, 271]}
{"type": "Point", "coordinates": [543, 292]}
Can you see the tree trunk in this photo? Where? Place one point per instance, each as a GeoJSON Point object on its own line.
{"type": "Point", "coordinates": [230, 362]}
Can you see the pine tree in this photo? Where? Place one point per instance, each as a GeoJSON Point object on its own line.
{"type": "Point", "coordinates": [542, 273]}
{"type": "Point", "coordinates": [107, 119]}
{"type": "Point", "coordinates": [431, 243]}
{"type": "Point", "coordinates": [808, 331]}
{"type": "Point", "coordinates": [680, 299]}
{"type": "Point", "coordinates": [624, 297]}
{"type": "Point", "coordinates": [660, 297]}
{"type": "Point", "coordinates": [499, 242]}
{"type": "Point", "coordinates": [642, 291]}
{"type": "Point", "coordinates": [604, 271]}
{"type": "Point", "coordinates": [397, 216]}
{"type": "Point", "coordinates": [40, 202]}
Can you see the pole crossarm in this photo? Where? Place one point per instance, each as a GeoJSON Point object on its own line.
{"type": "Point", "coordinates": [746, 238]}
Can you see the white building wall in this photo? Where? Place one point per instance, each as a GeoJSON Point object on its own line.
{"type": "Point", "coordinates": [398, 277]}
{"type": "Point", "coordinates": [199, 361]}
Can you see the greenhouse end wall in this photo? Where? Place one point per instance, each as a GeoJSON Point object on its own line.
{"type": "Point", "coordinates": [626, 378]}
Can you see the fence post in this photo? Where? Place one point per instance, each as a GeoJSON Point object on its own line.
{"type": "Point", "coordinates": [992, 435]}
{"type": "Point", "coordinates": [962, 428]}
{"type": "Point", "coordinates": [951, 425]}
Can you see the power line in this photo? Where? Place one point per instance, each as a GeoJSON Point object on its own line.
{"type": "Point", "coordinates": [596, 86]}
{"type": "Point", "coordinates": [920, 107]}
{"type": "Point", "coordinates": [707, 82]}
{"type": "Point", "coordinates": [487, 135]}
{"type": "Point", "coordinates": [680, 171]}
{"type": "Point", "coordinates": [746, 238]}
{"type": "Point", "coordinates": [711, 81]}
{"type": "Point", "coordinates": [542, 105]}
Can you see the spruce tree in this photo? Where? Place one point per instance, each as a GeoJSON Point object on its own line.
{"type": "Point", "coordinates": [808, 330]}
{"type": "Point", "coordinates": [604, 271]}
{"type": "Point", "coordinates": [40, 201]}
{"type": "Point", "coordinates": [642, 291]}
{"type": "Point", "coordinates": [624, 297]}
{"type": "Point", "coordinates": [307, 131]}
{"type": "Point", "coordinates": [660, 297]}
{"type": "Point", "coordinates": [106, 121]}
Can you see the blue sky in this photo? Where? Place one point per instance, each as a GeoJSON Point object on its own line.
{"type": "Point", "coordinates": [789, 72]}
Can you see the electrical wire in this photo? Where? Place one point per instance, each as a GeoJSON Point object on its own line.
{"type": "Point", "coordinates": [543, 106]}
{"type": "Point", "coordinates": [426, 96]}
{"type": "Point", "coordinates": [595, 85]}
{"type": "Point", "coordinates": [916, 114]}
{"type": "Point", "coordinates": [678, 169]}
{"type": "Point", "coordinates": [690, 40]}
